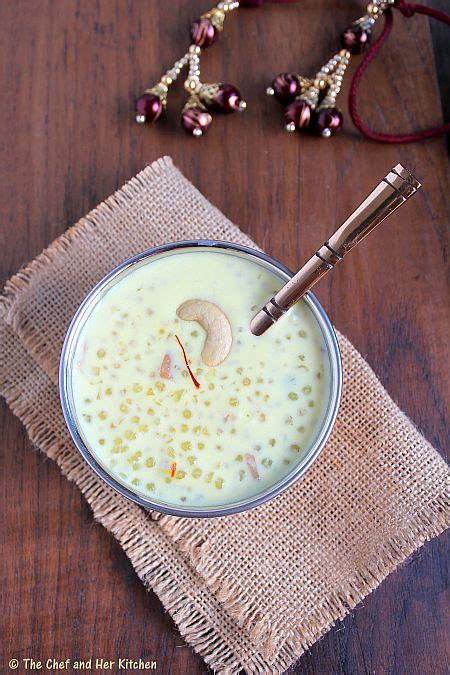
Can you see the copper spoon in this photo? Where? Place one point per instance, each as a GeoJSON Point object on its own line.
{"type": "Point", "coordinates": [393, 191]}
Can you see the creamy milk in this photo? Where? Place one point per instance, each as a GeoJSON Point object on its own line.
{"type": "Point", "coordinates": [139, 411]}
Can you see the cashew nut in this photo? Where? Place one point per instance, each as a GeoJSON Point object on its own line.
{"type": "Point", "coordinates": [218, 330]}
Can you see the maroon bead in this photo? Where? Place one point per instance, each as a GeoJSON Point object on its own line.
{"type": "Point", "coordinates": [227, 99]}
{"type": "Point", "coordinates": [286, 87]}
{"type": "Point", "coordinates": [203, 33]}
{"type": "Point", "coordinates": [298, 113]}
{"type": "Point", "coordinates": [196, 120]}
{"type": "Point", "coordinates": [148, 108]}
{"type": "Point", "coordinates": [355, 39]}
{"type": "Point", "coordinates": [328, 121]}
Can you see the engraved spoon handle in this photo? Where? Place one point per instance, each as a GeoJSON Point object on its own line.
{"type": "Point", "coordinates": [393, 191]}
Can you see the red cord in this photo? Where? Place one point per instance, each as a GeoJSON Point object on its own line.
{"type": "Point", "coordinates": [407, 9]}
{"type": "Point", "coordinates": [410, 8]}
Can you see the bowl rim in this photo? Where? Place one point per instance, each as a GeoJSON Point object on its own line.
{"type": "Point", "coordinates": [269, 493]}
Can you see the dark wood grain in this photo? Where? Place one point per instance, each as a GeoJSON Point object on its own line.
{"type": "Point", "coordinates": [69, 72]}
{"type": "Point", "coordinates": [440, 38]}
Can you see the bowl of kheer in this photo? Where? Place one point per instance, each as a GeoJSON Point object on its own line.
{"type": "Point", "coordinates": [174, 402]}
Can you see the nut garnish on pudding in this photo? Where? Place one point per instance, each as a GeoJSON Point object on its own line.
{"type": "Point", "coordinates": [178, 400]}
{"type": "Point", "coordinates": [216, 326]}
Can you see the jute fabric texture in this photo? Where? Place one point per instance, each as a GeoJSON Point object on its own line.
{"type": "Point", "coordinates": [251, 591]}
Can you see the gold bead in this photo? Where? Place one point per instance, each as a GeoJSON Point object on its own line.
{"type": "Point", "coordinates": [373, 9]}
{"type": "Point", "coordinates": [319, 83]}
{"type": "Point", "coordinates": [166, 79]}
{"type": "Point", "coordinates": [192, 85]}
{"type": "Point", "coordinates": [345, 53]}
{"type": "Point", "coordinates": [195, 49]}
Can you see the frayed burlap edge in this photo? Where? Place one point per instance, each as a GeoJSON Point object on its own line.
{"type": "Point", "coordinates": [424, 526]}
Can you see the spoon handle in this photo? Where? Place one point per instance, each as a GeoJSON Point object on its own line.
{"type": "Point", "coordinates": [393, 191]}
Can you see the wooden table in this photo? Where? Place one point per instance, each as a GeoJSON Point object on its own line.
{"type": "Point", "coordinates": [69, 72]}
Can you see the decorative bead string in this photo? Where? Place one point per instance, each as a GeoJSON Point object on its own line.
{"type": "Point", "coordinates": [324, 88]}
{"type": "Point", "coordinates": [311, 103]}
{"type": "Point", "coordinates": [153, 101]}
{"type": "Point", "coordinates": [204, 98]}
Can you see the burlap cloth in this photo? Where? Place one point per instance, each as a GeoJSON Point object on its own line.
{"type": "Point", "coordinates": [254, 590]}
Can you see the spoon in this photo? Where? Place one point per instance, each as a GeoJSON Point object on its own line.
{"type": "Point", "coordinates": [393, 191]}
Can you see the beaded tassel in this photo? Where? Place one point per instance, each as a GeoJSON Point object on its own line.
{"type": "Point", "coordinates": [204, 98]}
{"type": "Point", "coordinates": [152, 103]}
{"type": "Point", "coordinates": [311, 104]}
